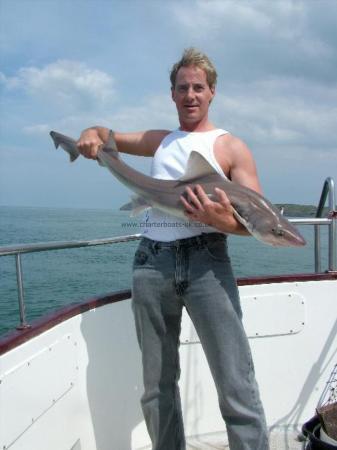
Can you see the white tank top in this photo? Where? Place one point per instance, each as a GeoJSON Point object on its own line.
{"type": "Point", "coordinates": [169, 163]}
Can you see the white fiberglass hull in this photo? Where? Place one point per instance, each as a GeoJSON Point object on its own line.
{"type": "Point", "coordinates": [76, 382]}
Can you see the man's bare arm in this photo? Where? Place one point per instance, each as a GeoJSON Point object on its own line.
{"type": "Point", "coordinates": [242, 165]}
{"type": "Point", "coordinates": [143, 143]}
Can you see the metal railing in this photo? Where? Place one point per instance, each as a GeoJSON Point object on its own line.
{"type": "Point", "coordinates": [328, 191]}
{"type": "Point", "coordinates": [18, 250]}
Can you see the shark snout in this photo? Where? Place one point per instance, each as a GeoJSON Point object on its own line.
{"type": "Point", "coordinates": [297, 240]}
{"type": "Point", "coordinates": [286, 236]}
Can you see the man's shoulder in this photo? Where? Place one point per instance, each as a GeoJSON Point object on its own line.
{"type": "Point", "coordinates": [231, 142]}
{"type": "Point", "coordinates": [232, 148]}
{"type": "Point", "coordinates": [153, 138]}
{"type": "Point", "coordinates": [231, 145]}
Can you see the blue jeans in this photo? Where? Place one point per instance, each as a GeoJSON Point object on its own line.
{"type": "Point", "coordinates": [194, 273]}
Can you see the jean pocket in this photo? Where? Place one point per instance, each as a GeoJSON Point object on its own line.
{"type": "Point", "coordinates": [217, 250]}
{"type": "Point", "coordinates": [143, 256]}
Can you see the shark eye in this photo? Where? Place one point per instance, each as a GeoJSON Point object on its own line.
{"type": "Point", "coordinates": [278, 231]}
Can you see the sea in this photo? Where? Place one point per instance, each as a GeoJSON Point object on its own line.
{"type": "Point", "coordinates": [53, 279]}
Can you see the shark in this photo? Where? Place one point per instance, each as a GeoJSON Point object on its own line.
{"type": "Point", "coordinates": [257, 214]}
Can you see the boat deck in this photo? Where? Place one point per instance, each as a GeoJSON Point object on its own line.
{"type": "Point", "coordinates": [278, 441]}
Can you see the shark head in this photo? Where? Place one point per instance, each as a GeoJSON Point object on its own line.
{"type": "Point", "coordinates": [278, 231]}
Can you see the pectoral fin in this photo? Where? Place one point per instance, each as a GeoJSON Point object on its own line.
{"type": "Point", "coordinates": [240, 215]}
{"type": "Point", "coordinates": [136, 206]}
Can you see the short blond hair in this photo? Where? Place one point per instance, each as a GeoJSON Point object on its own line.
{"type": "Point", "coordinates": [194, 57]}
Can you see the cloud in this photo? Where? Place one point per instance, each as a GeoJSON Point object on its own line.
{"type": "Point", "coordinates": [210, 15]}
{"type": "Point", "coordinates": [284, 114]}
{"type": "Point", "coordinates": [286, 19]}
{"type": "Point", "coordinates": [39, 129]}
{"type": "Point", "coordinates": [71, 84]}
{"type": "Point", "coordinates": [249, 39]}
{"type": "Point", "coordinates": [157, 111]}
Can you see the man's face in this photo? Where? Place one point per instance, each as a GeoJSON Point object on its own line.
{"type": "Point", "coordinates": [192, 96]}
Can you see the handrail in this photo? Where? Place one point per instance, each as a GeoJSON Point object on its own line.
{"type": "Point", "coordinates": [17, 250]}
{"type": "Point", "coordinates": [327, 192]}
{"type": "Point", "coordinates": [60, 245]}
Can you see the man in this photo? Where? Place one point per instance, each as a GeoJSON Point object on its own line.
{"type": "Point", "coordinates": [186, 265]}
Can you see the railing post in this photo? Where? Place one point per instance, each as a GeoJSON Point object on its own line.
{"type": "Point", "coordinates": [19, 279]}
{"type": "Point", "coordinates": [328, 190]}
{"type": "Point", "coordinates": [318, 266]}
{"type": "Point", "coordinates": [332, 227]}
{"type": "Point", "coordinates": [333, 242]}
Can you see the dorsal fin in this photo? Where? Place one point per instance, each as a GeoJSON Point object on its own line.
{"type": "Point", "coordinates": [197, 166]}
{"type": "Point", "coordinates": [109, 148]}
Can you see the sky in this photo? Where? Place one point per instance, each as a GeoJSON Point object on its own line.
{"type": "Point", "coordinates": [70, 64]}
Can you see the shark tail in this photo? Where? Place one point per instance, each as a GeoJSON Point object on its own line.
{"type": "Point", "coordinates": [68, 144]}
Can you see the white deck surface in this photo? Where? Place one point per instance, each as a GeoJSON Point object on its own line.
{"type": "Point", "coordinates": [278, 441]}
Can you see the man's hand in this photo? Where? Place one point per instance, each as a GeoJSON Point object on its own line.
{"type": "Point", "coordinates": [218, 214]}
{"type": "Point", "coordinates": [89, 143]}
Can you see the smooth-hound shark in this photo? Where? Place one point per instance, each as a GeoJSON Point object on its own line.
{"type": "Point", "coordinates": [260, 217]}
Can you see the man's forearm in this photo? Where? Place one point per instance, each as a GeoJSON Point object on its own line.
{"type": "Point", "coordinates": [140, 143]}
